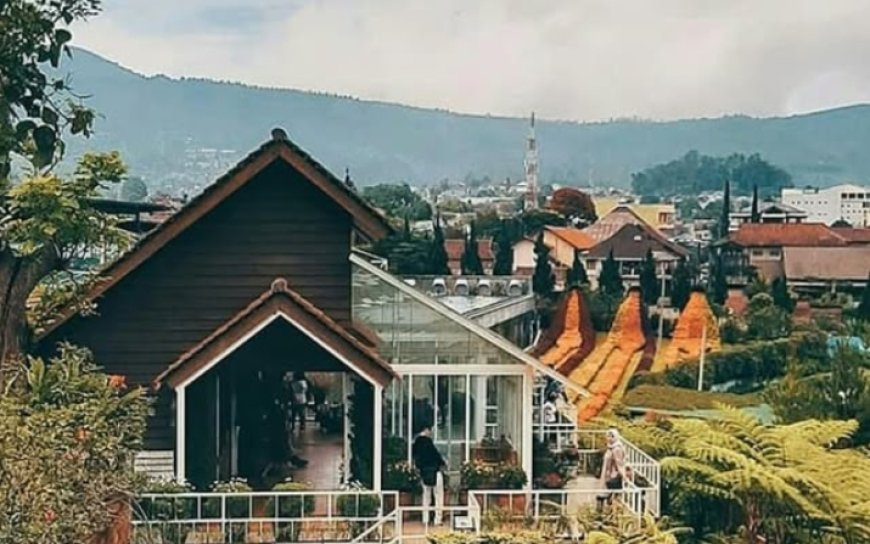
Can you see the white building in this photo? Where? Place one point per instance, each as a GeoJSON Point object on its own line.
{"type": "Point", "coordinates": [848, 202]}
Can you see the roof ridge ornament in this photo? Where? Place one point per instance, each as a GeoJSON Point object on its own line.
{"type": "Point", "coordinates": [279, 285]}
{"type": "Point", "coordinates": [279, 134]}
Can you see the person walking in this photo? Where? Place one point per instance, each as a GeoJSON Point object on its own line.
{"type": "Point", "coordinates": [298, 399]}
{"type": "Point", "coordinates": [613, 470]}
{"type": "Point", "coordinates": [431, 465]}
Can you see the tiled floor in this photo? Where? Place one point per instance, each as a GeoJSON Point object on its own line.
{"type": "Point", "coordinates": [324, 455]}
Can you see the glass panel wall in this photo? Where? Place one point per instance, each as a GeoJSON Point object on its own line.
{"type": "Point", "coordinates": [464, 410]}
{"type": "Point", "coordinates": [411, 332]}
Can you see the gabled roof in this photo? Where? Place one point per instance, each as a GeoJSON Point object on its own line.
{"type": "Point", "coordinates": [365, 218]}
{"type": "Point", "coordinates": [786, 235]}
{"type": "Point", "coordinates": [278, 301]}
{"type": "Point", "coordinates": [609, 225]}
{"type": "Point", "coordinates": [633, 242]}
{"type": "Point", "coordinates": [576, 238]}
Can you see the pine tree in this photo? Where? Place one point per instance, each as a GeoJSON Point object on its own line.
{"type": "Point", "coordinates": [863, 312]}
{"type": "Point", "coordinates": [718, 287]}
{"type": "Point", "coordinates": [577, 274]}
{"type": "Point", "coordinates": [754, 215]}
{"type": "Point", "coordinates": [725, 219]}
{"type": "Point", "coordinates": [610, 281]}
{"type": "Point", "coordinates": [470, 260]}
{"type": "Point", "coordinates": [437, 253]}
{"type": "Point", "coordinates": [649, 283]}
{"type": "Point", "coordinates": [780, 294]}
{"type": "Point", "coordinates": [682, 285]}
{"type": "Point", "coordinates": [504, 252]}
{"type": "Point", "coordinates": [543, 279]}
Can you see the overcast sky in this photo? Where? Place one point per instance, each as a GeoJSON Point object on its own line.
{"type": "Point", "coordinates": [567, 59]}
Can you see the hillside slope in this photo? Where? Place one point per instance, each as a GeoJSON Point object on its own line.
{"type": "Point", "coordinates": [180, 134]}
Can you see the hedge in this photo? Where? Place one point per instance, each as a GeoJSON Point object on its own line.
{"type": "Point", "coordinates": [744, 366]}
{"type": "Point", "coordinates": [666, 397]}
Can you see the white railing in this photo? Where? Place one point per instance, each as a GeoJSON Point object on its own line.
{"type": "Point", "coordinates": [543, 505]}
{"type": "Point", "coordinates": [644, 472]}
{"type": "Point", "coordinates": [266, 517]}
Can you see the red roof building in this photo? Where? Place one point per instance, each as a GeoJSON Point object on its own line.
{"type": "Point", "coordinates": [456, 246]}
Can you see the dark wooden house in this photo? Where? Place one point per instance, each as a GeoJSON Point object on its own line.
{"type": "Point", "coordinates": [253, 274]}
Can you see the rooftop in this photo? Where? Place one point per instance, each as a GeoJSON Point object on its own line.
{"type": "Point", "coordinates": [787, 235]}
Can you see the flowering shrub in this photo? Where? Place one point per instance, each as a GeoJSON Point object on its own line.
{"type": "Point", "coordinates": [401, 476]}
{"type": "Point", "coordinates": [67, 442]}
{"type": "Point", "coordinates": [477, 475]}
{"type": "Point", "coordinates": [511, 477]}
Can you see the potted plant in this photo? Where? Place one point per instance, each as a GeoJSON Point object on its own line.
{"type": "Point", "coordinates": [551, 480]}
{"type": "Point", "coordinates": [234, 508]}
{"type": "Point", "coordinates": [405, 479]}
{"type": "Point", "coordinates": [477, 475]}
{"type": "Point", "coordinates": [510, 477]}
{"type": "Point", "coordinates": [291, 507]}
{"type": "Point", "coordinates": [358, 505]}
{"type": "Point", "coordinates": [167, 508]}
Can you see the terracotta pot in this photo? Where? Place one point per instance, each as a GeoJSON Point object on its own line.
{"type": "Point", "coordinates": [515, 504]}
{"type": "Point", "coordinates": [406, 498]}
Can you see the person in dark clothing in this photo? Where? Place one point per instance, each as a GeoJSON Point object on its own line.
{"type": "Point", "coordinates": [431, 465]}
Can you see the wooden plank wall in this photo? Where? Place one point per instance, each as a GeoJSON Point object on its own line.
{"type": "Point", "coordinates": [278, 225]}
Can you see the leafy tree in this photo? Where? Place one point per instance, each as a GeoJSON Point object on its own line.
{"type": "Point", "coordinates": [765, 320]}
{"type": "Point", "coordinates": [754, 215]}
{"type": "Point", "coordinates": [36, 105]}
{"type": "Point", "coordinates": [437, 258]}
{"type": "Point", "coordinates": [780, 294]}
{"type": "Point", "coordinates": [504, 252]}
{"type": "Point", "coordinates": [134, 190]}
{"type": "Point", "coordinates": [610, 281]}
{"type": "Point", "coordinates": [67, 442]}
{"type": "Point", "coordinates": [47, 224]}
{"type": "Point", "coordinates": [535, 220]}
{"type": "Point", "coordinates": [543, 279]}
{"type": "Point", "coordinates": [398, 200]}
{"type": "Point", "coordinates": [649, 282]}
{"type": "Point", "coordinates": [718, 283]}
{"type": "Point", "coordinates": [470, 260]}
{"type": "Point", "coordinates": [725, 219]}
{"type": "Point", "coordinates": [574, 204]}
{"type": "Point", "coordinates": [577, 274]}
{"type": "Point", "coordinates": [863, 311]}
{"type": "Point", "coordinates": [488, 222]}
{"type": "Point", "coordinates": [682, 285]}
{"type": "Point", "coordinates": [694, 173]}
{"type": "Point", "coordinates": [735, 475]}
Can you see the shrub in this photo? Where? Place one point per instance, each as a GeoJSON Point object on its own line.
{"type": "Point", "coordinates": [401, 476]}
{"type": "Point", "coordinates": [511, 477]}
{"type": "Point", "coordinates": [743, 367]}
{"type": "Point", "coordinates": [67, 442]}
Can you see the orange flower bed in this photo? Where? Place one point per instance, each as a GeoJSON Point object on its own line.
{"type": "Point", "coordinates": [606, 373]}
{"type": "Point", "coordinates": [570, 338]}
{"type": "Point", "coordinates": [686, 342]}
{"type": "Point", "coordinates": [586, 372]}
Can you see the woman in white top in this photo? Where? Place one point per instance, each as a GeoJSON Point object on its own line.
{"type": "Point", "coordinates": [613, 469]}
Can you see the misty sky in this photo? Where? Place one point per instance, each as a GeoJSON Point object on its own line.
{"type": "Point", "coordinates": [568, 59]}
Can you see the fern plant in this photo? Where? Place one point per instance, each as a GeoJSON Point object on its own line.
{"type": "Point", "coordinates": [777, 482]}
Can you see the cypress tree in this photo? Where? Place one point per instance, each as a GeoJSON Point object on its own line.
{"type": "Point", "coordinates": [754, 215]}
{"type": "Point", "coordinates": [725, 219]}
{"type": "Point", "coordinates": [718, 287]}
{"type": "Point", "coordinates": [504, 252]}
{"type": "Point", "coordinates": [780, 294]}
{"type": "Point", "coordinates": [649, 283]}
{"type": "Point", "coordinates": [437, 253]}
{"type": "Point", "coordinates": [577, 274]}
{"type": "Point", "coordinates": [470, 261]}
{"type": "Point", "coordinates": [543, 279]}
{"type": "Point", "coordinates": [610, 281]}
{"type": "Point", "coordinates": [682, 285]}
{"type": "Point", "coordinates": [406, 229]}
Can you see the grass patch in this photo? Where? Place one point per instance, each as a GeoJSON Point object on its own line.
{"type": "Point", "coordinates": [666, 397]}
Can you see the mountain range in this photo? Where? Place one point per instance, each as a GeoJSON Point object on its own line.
{"type": "Point", "coordinates": [179, 134]}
